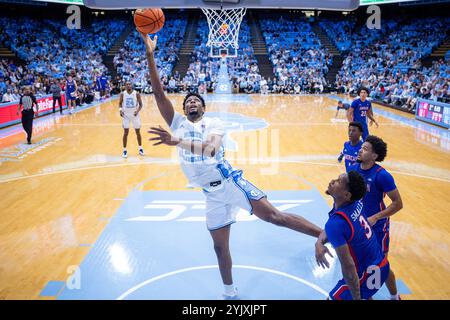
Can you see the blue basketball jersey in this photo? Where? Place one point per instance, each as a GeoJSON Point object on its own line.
{"type": "Point", "coordinates": [348, 225]}
{"type": "Point", "coordinates": [101, 82]}
{"type": "Point", "coordinates": [351, 153]}
{"type": "Point", "coordinates": [70, 86]}
{"type": "Point", "coordinates": [378, 182]}
{"type": "Point", "coordinates": [360, 110]}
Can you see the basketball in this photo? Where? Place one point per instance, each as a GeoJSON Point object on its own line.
{"type": "Point", "coordinates": [150, 20]}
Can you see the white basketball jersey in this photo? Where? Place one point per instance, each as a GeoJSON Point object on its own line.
{"type": "Point", "coordinates": [129, 103]}
{"type": "Point", "coordinates": [200, 170]}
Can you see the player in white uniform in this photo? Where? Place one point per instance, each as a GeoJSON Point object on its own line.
{"type": "Point", "coordinates": [199, 143]}
{"type": "Point", "coordinates": [130, 104]}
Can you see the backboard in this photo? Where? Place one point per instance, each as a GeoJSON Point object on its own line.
{"type": "Point", "coordinates": [341, 5]}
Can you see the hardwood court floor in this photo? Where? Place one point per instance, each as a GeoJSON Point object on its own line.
{"type": "Point", "coordinates": [58, 195]}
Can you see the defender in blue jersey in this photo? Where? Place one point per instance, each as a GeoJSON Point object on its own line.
{"type": "Point", "coordinates": [351, 147]}
{"type": "Point", "coordinates": [379, 183]}
{"type": "Point", "coordinates": [101, 83]}
{"type": "Point", "coordinates": [360, 110]}
{"type": "Point", "coordinates": [71, 93]}
{"type": "Point", "coordinates": [364, 267]}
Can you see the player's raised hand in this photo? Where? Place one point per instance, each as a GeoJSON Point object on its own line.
{"type": "Point", "coordinates": [321, 251]}
{"type": "Point", "coordinates": [163, 137]}
{"type": "Point", "coordinates": [150, 44]}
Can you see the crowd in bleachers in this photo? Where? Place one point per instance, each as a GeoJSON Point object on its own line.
{"type": "Point", "coordinates": [131, 63]}
{"type": "Point", "coordinates": [300, 61]}
{"type": "Point", "coordinates": [202, 73]}
{"type": "Point", "coordinates": [390, 63]}
{"type": "Point", "coordinates": [387, 61]}
{"type": "Point", "coordinates": [54, 51]}
{"type": "Point", "coordinates": [243, 69]}
{"type": "Point", "coordinates": [15, 78]}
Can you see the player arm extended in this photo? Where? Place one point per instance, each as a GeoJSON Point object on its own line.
{"type": "Point", "coordinates": [370, 116]}
{"type": "Point", "coordinates": [120, 104]}
{"type": "Point", "coordinates": [393, 208]}
{"type": "Point", "coordinates": [139, 100]}
{"type": "Point", "coordinates": [349, 271]}
{"type": "Point", "coordinates": [164, 105]}
{"type": "Point", "coordinates": [207, 148]}
{"type": "Point", "coordinates": [350, 114]}
{"type": "Point", "coordinates": [347, 264]}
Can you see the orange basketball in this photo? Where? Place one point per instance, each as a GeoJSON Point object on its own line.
{"type": "Point", "coordinates": [149, 20]}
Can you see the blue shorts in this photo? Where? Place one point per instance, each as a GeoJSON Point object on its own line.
{"type": "Point", "coordinates": [382, 234]}
{"type": "Point", "coordinates": [69, 97]}
{"type": "Point", "coordinates": [342, 292]}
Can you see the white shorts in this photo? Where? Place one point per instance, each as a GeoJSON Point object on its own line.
{"type": "Point", "coordinates": [223, 204]}
{"type": "Point", "coordinates": [130, 117]}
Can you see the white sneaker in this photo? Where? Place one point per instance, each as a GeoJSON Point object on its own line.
{"type": "Point", "coordinates": [235, 296]}
{"type": "Point", "coordinates": [141, 152]}
{"type": "Point", "coordinates": [124, 154]}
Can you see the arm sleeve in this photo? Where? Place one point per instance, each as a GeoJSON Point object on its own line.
{"type": "Point", "coordinates": [338, 231]}
{"type": "Point", "coordinates": [385, 182]}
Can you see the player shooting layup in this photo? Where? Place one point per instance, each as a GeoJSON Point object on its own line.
{"type": "Point", "coordinates": [199, 143]}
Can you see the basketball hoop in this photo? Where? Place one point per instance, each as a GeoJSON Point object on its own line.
{"type": "Point", "coordinates": [224, 25]}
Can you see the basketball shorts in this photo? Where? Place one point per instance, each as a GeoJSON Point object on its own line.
{"type": "Point", "coordinates": [223, 204]}
{"type": "Point", "coordinates": [128, 118]}
{"type": "Point", "coordinates": [370, 282]}
{"type": "Point", "coordinates": [382, 234]}
{"type": "Point", "coordinates": [71, 96]}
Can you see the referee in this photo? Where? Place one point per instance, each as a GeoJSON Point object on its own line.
{"type": "Point", "coordinates": [27, 101]}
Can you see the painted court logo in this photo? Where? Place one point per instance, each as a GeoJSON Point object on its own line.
{"type": "Point", "coordinates": [22, 151]}
{"type": "Point", "coordinates": [190, 207]}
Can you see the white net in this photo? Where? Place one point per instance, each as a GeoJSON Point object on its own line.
{"type": "Point", "coordinates": [224, 25]}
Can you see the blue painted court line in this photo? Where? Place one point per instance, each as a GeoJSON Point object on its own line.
{"type": "Point", "coordinates": [158, 232]}
{"type": "Point", "coordinates": [52, 289]}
